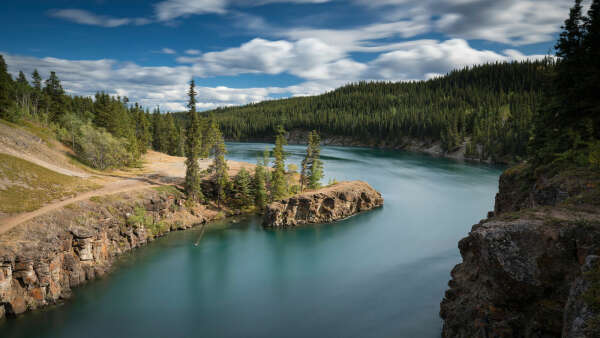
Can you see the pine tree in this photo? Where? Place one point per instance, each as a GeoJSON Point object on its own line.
{"type": "Point", "coordinates": [316, 166]}
{"type": "Point", "coordinates": [279, 183]}
{"type": "Point", "coordinates": [260, 188]}
{"type": "Point", "coordinates": [306, 162]}
{"type": "Point", "coordinates": [219, 166]}
{"type": "Point", "coordinates": [242, 189]}
{"type": "Point", "coordinates": [6, 91]}
{"type": "Point", "coordinates": [193, 186]}
{"type": "Point", "coordinates": [37, 90]}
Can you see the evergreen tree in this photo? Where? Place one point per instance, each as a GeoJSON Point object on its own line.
{"type": "Point", "coordinates": [316, 165]}
{"type": "Point", "coordinates": [193, 186]}
{"type": "Point", "coordinates": [568, 124]}
{"type": "Point", "coordinates": [37, 90]}
{"type": "Point", "coordinates": [243, 196]}
{"type": "Point", "coordinates": [260, 188]}
{"type": "Point", "coordinates": [6, 91]}
{"type": "Point", "coordinates": [306, 162]}
{"type": "Point", "coordinates": [279, 183]}
{"type": "Point", "coordinates": [219, 166]}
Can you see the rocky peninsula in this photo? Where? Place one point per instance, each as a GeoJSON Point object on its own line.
{"type": "Point", "coordinates": [324, 205]}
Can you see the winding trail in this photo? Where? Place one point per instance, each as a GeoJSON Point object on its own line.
{"type": "Point", "coordinates": [159, 170]}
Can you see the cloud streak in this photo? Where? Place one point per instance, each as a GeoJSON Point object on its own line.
{"type": "Point", "coordinates": [88, 18]}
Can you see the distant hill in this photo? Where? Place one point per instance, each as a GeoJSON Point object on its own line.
{"type": "Point", "coordinates": [486, 109]}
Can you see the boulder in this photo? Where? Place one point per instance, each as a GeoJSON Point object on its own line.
{"type": "Point", "coordinates": [324, 205]}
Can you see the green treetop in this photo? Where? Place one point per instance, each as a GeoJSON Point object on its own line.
{"type": "Point", "coordinates": [279, 184]}
{"type": "Point", "coordinates": [315, 165]}
{"type": "Point", "coordinates": [219, 165]}
{"type": "Point", "coordinates": [193, 186]}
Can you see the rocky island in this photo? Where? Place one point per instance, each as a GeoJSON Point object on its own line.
{"type": "Point", "coordinates": [324, 205]}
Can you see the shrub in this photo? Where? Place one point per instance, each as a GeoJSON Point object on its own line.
{"type": "Point", "coordinates": [100, 149]}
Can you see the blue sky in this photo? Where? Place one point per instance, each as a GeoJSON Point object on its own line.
{"type": "Point", "coordinates": [242, 51]}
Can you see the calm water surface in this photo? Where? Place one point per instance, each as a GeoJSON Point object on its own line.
{"type": "Point", "coordinates": [378, 274]}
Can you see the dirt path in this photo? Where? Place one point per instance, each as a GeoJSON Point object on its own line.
{"type": "Point", "coordinates": [120, 186]}
{"type": "Point", "coordinates": [161, 167]}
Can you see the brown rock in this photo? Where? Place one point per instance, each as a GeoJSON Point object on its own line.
{"type": "Point", "coordinates": [328, 204]}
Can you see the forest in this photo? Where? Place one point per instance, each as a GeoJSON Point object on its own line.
{"type": "Point", "coordinates": [489, 107]}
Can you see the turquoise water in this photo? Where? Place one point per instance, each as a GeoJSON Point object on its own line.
{"type": "Point", "coordinates": [378, 274]}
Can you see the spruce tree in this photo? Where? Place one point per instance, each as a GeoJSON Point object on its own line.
{"type": "Point", "coordinates": [242, 189]}
{"type": "Point", "coordinates": [219, 165]}
{"type": "Point", "coordinates": [260, 188]}
{"type": "Point", "coordinates": [193, 186]}
{"type": "Point", "coordinates": [6, 91]}
{"type": "Point", "coordinates": [279, 183]}
{"type": "Point", "coordinates": [316, 166]}
{"type": "Point", "coordinates": [37, 90]}
{"type": "Point", "coordinates": [306, 162]}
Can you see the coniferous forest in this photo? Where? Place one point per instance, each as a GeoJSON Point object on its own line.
{"type": "Point", "coordinates": [490, 107]}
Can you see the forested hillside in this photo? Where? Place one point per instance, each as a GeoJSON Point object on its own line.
{"type": "Point", "coordinates": [104, 131]}
{"type": "Point", "coordinates": [491, 105]}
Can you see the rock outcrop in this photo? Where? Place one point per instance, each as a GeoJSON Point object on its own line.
{"type": "Point", "coordinates": [523, 269]}
{"type": "Point", "coordinates": [43, 259]}
{"type": "Point", "coordinates": [325, 205]}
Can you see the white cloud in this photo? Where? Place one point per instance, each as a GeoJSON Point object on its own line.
{"type": "Point", "coordinates": [193, 52]}
{"type": "Point", "coordinates": [320, 66]}
{"type": "Point", "coordinates": [167, 51]}
{"type": "Point", "coordinates": [430, 58]}
{"type": "Point", "coordinates": [89, 18]}
{"type": "Point", "coordinates": [172, 9]}
{"type": "Point", "coordinates": [516, 22]}
{"type": "Point", "coordinates": [306, 58]}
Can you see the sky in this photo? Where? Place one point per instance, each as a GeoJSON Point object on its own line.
{"type": "Point", "coordinates": [243, 51]}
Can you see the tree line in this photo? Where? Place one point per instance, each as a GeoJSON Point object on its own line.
{"type": "Point", "coordinates": [490, 107]}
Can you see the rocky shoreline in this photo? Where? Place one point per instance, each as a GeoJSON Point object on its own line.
{"type": "Point", "coordinates": [325, 205]}
{"type": "Point", "coordinates": [524, 268]}
{"type": "Point", "coordinates": [43, 259]}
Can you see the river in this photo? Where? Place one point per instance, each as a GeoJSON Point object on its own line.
{"type": "Point", "coordinates": [378, 274]}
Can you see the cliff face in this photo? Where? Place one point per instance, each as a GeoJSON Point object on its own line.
{"type": "Point", "coordinates": [522, 273]}
{"type": "Point", "coordinates": [324, 205]}
{"type": "Point", "coordinates": [42, 260]}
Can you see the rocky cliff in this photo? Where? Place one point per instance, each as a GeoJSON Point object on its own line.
{"type": "Point", "coordinates": [42, 260]}
{"type": "Point", "coordinates": [328, 204]}
{"type": "Point", "coordinates": [525, 270]}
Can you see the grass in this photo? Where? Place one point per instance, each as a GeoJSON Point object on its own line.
{"type": "Point", "coordinates": [43, 133]}
{"type": "Point", "coordinates": [25, 186]}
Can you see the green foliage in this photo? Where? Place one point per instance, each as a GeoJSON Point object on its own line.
{"type": "Point", "coordinates": [567, 125]}
{"type": "Point", "coordinates": [493, 104]}
{"type": "Point", "coordinates": [139, 218]}
{"type": "Point", "coordinates": [279, 184]}
{"type": "Point", "coordinates": [243, 195]}
{"type": "Point", "coordinates": [315, 167]}
{"type": "Point", "coordinates": [260, 187]}
{"type": "Point", "coordinates": [193, 186]}
{"type": "Point", "coordinates": [100, 149]}
{"type": "Point", "coordinates": [219, 165]}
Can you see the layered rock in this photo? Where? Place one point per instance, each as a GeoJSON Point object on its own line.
{"type": "Point", "coordinates": [325, 205]}
{"type": "Point", "coordinates": [42, 260]}
{"type": "Point", "coordinates": [522, 273]}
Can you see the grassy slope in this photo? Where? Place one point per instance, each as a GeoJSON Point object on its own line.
{"type": "Point", "coordinates": [25, 186]}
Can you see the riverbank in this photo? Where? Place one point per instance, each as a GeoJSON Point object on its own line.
{"type": "Point", "coordinates": [432, 148]}
{"type": "Point", "coordinates": [42, 260]}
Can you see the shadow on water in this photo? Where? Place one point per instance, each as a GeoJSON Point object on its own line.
{"type": "Point", "coordinates": [377, 274]}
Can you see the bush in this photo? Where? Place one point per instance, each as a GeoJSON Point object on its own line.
{"type": "Point", "coordinates": [100, 149]}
